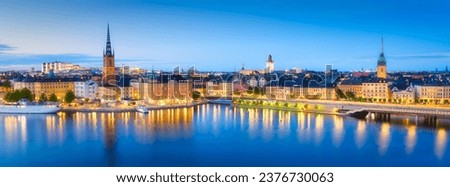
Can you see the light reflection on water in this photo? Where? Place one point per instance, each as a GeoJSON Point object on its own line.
{"type": "Point", "coordinates": [215, 131]}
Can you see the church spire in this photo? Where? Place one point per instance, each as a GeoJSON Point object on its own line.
{"type": "Point", "coordinates": [108, 51]}
{"type": "Point", "coordinates": [382, 44]}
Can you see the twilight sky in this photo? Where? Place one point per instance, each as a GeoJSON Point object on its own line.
{"type": "Point", "coordinates": [222, 35]}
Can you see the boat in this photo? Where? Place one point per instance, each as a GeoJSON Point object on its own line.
{"type": "Point", "coordinates": [142, 109]}
{"type": "Point", "coordinates": [24, 106]}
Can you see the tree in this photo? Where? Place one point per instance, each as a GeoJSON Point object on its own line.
{"type": "Point", "coordinates": [7, 84]}
{"type": "Point", "coordinates": [69, 97]}
{"type": "Point", "coordinates": [43, 98]}
{"type": "Point", "coordinates": [19, 94]}
{"type": "Point", "coordinates": [350, 95]}
{"type": "Point", "coordinates": [53, 98]}
{"type": "Point", "coordinates": [196, 95]}
{"type": "Point", "coordinates": [340, 94]}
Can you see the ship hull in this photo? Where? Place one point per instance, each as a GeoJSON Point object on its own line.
{"type": "Point", "coordinates": [29, 109]}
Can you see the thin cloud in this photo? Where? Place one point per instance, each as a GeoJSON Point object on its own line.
{"type": "Point", "coordinates": [435, 55]}
{"type": "Point", "coordinates": [4, 48]}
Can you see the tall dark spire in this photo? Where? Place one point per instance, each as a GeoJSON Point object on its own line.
{"type": "Point", "coordinates": [108, 51]}
{"type": "Point", "coordinates": [382, 59]}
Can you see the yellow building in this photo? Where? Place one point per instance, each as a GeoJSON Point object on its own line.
{"type": "Point", "coordinates": [170, 92]}
{"type": "Point", "coordinates": [377, 90]}
{"type": "Point", "coordinates": [221, 89]}
{"type": "Point", "coordinates": [59, 87]}
{"type": "Point", "coordinates": [351, 85]}
{"type": "Point", "coordinates": [316, 92]}
{"type": "Point", "coordinates": [433, 93]}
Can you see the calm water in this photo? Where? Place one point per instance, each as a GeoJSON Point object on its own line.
{"type": "Point", "coordinates": [217, 135]}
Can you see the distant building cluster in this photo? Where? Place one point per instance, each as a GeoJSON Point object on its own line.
{"type": "Point", "coordinates": [111, 83]}
{"type": "Point", "coordinates": [56, 67]}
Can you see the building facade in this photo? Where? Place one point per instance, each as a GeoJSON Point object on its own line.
{"type": "Point", "coordinates": [377, 90]}
{"type": "Point", "coordinates": [86, 89]}
{"type": "Point", "coordinates": [58, 67]}
{"type": "Point", "coordinates": [354, 86]}
{"type": "Point", "coordinates": [59, 87]}
{"type": "Point", "coordinates": [433, 93]}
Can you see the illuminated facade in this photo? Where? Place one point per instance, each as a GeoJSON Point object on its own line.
{"type": "Point", "coordinates": [170, 92]}
{"type": "Point", "coordinates": [430, 93]}
{"type": "Point", "coordinates": [354, 86]}
{"type": "Point", "coordinates": [377, 90]}
{"type": "Point", "coordinates": [59, 87]}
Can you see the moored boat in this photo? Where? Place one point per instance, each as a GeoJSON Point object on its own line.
{"type": "Point", "coordinates": [142, 109]}
{"type": "Point", "coordinates": [26, 107]}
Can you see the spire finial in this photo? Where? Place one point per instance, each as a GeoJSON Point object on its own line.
{"type": "Point", "coordinates": [382, 43]}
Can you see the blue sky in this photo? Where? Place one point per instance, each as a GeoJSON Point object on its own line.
{"type": "Point", "coordinates": [222, 35]}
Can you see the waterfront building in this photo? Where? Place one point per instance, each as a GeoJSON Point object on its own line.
{"type": "Point", "coordinates": [439, 94]}
{"type": "Point", "coordinates": [219, 89]}
{"type": "Point", "coordinates": [38, 86]}
{"type": "Point", "coordinates": [381, 64]}
{"type": "Point", "coordinates": [58, 67]}
{"type": "Point", "coordinates": [403, 96]}
{"type": "Point", "coordinates": [174, 90]}
{"type": "Point", "coordinates": [278, 92]}
{"type": "Point", "coordinates": [314, 92]}
{"type": "Point", "coordinates": [351, 85]}
{"type": "Point", "coordinates": [86, 89]}
{"type": "Point", "coordinates": [376, 90]}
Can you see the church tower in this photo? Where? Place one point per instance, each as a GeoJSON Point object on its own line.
{"type": "Point", "coordinates": [381, 65]}
{"type": "Point", "coordinates": [269, 65]}
{"type": "Point", "coordinates": [108, 76]}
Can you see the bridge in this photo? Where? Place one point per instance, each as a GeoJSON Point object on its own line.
{"type": "Point", "coordinates": [381, 111]}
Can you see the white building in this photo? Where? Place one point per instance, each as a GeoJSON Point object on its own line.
{"type": "Point", "coordinates": [58, 66]}
{"type": "Point", "coordinates": [86, 89]}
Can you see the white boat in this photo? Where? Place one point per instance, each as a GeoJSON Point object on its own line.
{"type": "Point", "coordinates": [26, 107]}
{"type": "Point", "coordinates": [142, 109]}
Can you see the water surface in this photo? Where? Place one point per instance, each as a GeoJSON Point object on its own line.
{"type": "Point", "coordinates": [217, 135]}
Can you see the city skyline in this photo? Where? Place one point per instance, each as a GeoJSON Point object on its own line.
{"type": "Point", "coordinates": [164, 35]}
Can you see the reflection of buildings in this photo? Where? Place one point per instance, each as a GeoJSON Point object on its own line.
{"type": "Point", "coordinates": [440, 143]}
{"type": "Point", "coordinates": [384, 138]}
